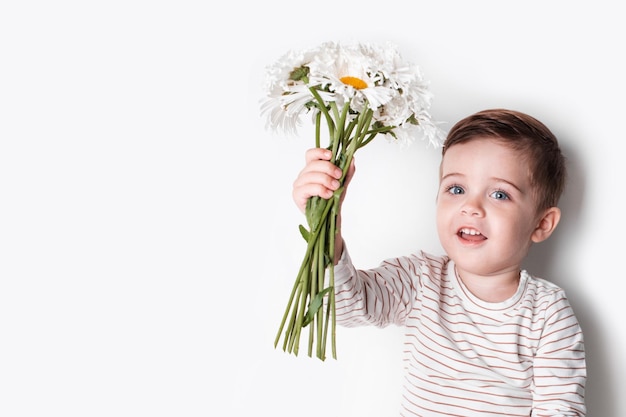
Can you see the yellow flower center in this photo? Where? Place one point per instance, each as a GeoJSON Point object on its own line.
{"type": "Point", "coordinates": [355, 82]}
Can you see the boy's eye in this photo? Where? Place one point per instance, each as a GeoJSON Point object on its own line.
{"type": "Point", "coordinates": [455, 189]}
{"type": "Point", "coordinates": [500, 195]}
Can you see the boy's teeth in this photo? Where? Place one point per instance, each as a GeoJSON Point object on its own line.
{"type": "Point", "coordinates": [470, 232]}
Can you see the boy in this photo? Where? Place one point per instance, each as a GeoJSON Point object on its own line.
{"type": "Point", "coordinates": [483, 337]}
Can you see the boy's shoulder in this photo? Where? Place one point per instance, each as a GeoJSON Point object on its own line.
{"type": "Point", "coordinates": [538, 282]}
{"type": "Point", "coordinates": [430, 261]}
{"type": "Point", "coordinates": [542, 290]}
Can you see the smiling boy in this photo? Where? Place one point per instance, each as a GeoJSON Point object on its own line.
{"type": "Point", "coordinates": [483, 337]}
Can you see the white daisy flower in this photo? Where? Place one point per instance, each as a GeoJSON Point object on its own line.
{"type": "Point", "coordinates": [364, 75]}
{"type": "Point", "coordinates": [359, 91]}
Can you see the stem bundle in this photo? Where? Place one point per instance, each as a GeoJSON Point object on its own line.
{"type": "Point", "coordinates": [312, 302]}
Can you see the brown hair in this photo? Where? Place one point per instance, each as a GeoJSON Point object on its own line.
{"type": "Point", "coordinates": [523, 133]}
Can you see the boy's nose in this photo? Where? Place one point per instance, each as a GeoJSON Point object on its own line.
{"type": "Point", "coordinates": [472, 207]}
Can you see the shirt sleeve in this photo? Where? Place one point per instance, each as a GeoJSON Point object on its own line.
{"type": "Point", "coordinates": [380, 296]}
{"type": "Point", "coordinates": [559, 364]}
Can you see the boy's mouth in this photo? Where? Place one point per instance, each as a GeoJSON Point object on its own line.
{"type": "Point", "coordinates": [471, 234]}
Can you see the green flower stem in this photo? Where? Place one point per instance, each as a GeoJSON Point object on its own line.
{"type": "Point", "coordinates": [295, 294]}
{"type": "Point", "coordinates": [323, 110]}
{"type": "Point", "coordinates": [306, 305]}
{"type": "Point", "coordinates": [331, 311]}
{"type": "Point", "coordinates": [318, 122]}
{"type": "Point", "coordinates": [308, 268]}
{"type": "Point", "coordinates": [318, 282]}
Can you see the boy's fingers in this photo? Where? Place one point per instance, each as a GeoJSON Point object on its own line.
{"type": "Point", "coordinates": [319, 177]}
{"type": "Point", "coordinates": [317, 153]}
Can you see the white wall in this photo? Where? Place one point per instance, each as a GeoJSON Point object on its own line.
{"type": "Point", "coordinates": [148, 239]}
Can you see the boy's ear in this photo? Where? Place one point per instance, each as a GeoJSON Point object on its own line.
{"type": "Point", "coordinates": [546, 225]}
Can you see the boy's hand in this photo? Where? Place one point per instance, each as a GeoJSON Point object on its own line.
{"type": "Point", "coordinates": [319, 177]}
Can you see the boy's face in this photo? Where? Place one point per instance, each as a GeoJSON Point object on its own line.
{"type": "Point", "coordinates": [486, 211]}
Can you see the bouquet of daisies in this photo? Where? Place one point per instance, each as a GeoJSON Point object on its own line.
{"type": "Point", "coordinates": [358, 91]}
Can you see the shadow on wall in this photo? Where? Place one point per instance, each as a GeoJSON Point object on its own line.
{"type": "Point", "coordinates": [600, 394]}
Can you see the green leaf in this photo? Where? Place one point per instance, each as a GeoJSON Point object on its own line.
{"type": "Point", "coordinates": [315, 211]}
{"type": "Point", "coordinates": [315, 305]}
{"type": "Point", "coordinates": [304, 232]}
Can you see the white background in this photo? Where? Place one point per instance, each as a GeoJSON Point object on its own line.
{"type": "Point", "coordinates": [148, 241]}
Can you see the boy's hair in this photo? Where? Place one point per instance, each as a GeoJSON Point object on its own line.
{"type": "Point", "coordinates": [537, 144]}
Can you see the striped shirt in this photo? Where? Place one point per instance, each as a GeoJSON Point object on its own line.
{"type": "Point", "coordinates": [463, 356]}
